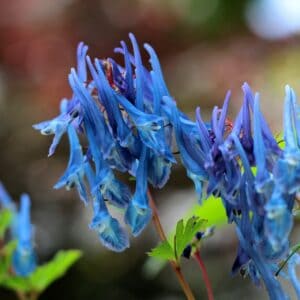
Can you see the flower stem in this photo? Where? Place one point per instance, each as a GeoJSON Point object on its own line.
{"type": "Point", "coordinates": [200, 262]}
{"type": "Point", "coordinates": [20, 295]}
{"type": "Point", "coordinates": [176, 268]}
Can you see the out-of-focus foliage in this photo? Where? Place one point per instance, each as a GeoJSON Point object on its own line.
{"type": "Point", "coordinates": [44, 275]}
{"type": "Point", "coordinates": [5, 220]}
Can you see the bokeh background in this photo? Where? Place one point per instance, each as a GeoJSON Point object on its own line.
{"type": "Point", "coordinates": [206, 47]}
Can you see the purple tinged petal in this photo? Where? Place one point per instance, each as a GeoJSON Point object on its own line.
{"type": "Point", "coordinates": [190, 164]}
{"type": "Point", "coordinates": [81, 65]}
{"type": "Point", "coordinates": [267, 133]}
{"type": "Point", "coordinates": [244, 159]}
{"type": "Point", "coordinates": [204, 134]}
{"type": "Point", "coordinates": [223, 115]}
{"type": "Point", "coordinates": [263, 181]}
{"type": "Point", "coordinates": [259, 147]}
{"type": "Point", "coordinates": [273, 286]}
{"type": "Point", "coordinates": [128, 75]}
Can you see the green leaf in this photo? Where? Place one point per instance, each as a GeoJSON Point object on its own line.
{"type": "Point", "coordinates": [9, 247]}
{"type": "Point", "coordinates": [16, 283]}
{"type": "Point", "coordinates": [185, 234]}
{"type": "Point", "coordinates": [44, 275]}
{"type": "Point", "coordinates": [5, 259]}
{"type": "Point", "coordinates": [212, 210]}
{"type": "Point", "coordinates": [280, 140]}
{"type": "Point", "coordinates": [5, 220]}
{"type": "Point", "coordinates": [163, 251]}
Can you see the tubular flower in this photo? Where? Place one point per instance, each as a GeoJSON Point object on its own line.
{"type": "Point", "coordinates": [24, 259]}
{"type": "Point", "coordinates": [109, 231]}
{"type": "Point", "coordinates": [6, 200]}
{"type": "Point", "coordinates": [58, 126]}
{"type": "Point", "coordinates": [74, 175]}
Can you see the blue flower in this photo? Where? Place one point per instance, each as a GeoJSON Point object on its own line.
{"type": "Point", "coordinates": [113, 189]}
{"type": "Point", "coordinates": [138, 213]}
{"type": "Point", "coordinates": [287, 171]}
{"type": "Point", "coordinates": [59, 125]}
{"type": "Point", "coordinates": [263, 180]}
{"type": "Point", "coordinates": [24, 257]}
{"type": "Point", "coordinates": [275, 291]}
{"type": "Point", "coordinates": [109, 231]}
{"type": "Point", "coordinates": [6, 200]}
{"type": "Point", "coordinates": [191, 159]}
{"type": "Point", "coordinates": [108, 98]}
{"type": "Point", "coordinates": [74, 174]}
{"type": "Point", "coordinates": [278, 222]}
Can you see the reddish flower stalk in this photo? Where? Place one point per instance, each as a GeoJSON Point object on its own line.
{"type": "Point", "coordinates": [176, 268]}
{"type": "Point", "coordinates": [207, 283]}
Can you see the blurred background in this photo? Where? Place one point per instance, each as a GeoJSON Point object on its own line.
{"type": "Point", "coordinates": [205, 48]}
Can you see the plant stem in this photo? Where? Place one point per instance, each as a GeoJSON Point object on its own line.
{"type": "Point", "coordinates": [20, 295]}
{"type": "Point", "coordinates": [176, 268]}
{"type": "Point", "coordinates": [200, 262]}
{"type": "Point", "coordinates": [34, 295]}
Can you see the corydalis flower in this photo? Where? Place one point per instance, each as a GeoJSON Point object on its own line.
{"type": "Point", "coordinates": [109, 231]}
{"type": "Point", "coordinates": [6, 200]}
{"type": "Point", "coordinates": [58, 126]}
{"type": "Point", "coordinates": [138, 212]}
{"type": "Point", "coordinates": [121, 114]}
{"type": "Point", "coordinates": [74, 174]}
{"type": "Point", "coordinates": [24, 257]}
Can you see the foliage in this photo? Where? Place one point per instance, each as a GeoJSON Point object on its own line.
{"type": "Point", "coordinates": [15, 232]}
{"type": "Point", "coordinates": [5, 220]}
{"type": "Point", "coordinates": [185, 231]}
{"type": "Point", "coordinates": [212, 210]}
{"type": "Point", "coordinates": [44, 275]}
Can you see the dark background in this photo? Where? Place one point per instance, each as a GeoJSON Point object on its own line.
{"type": "Point", "coordinates": [205, 48]}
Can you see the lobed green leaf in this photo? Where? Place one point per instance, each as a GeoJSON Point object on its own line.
{"type": "Point", "coordinates": [44, 275]}
{"type": "Point", "coordinates": [163, 251]}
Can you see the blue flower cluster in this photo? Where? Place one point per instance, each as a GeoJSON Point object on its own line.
{"type": "Point", "coordinates": [128, 119]}
{"type": "Point", "coordinates": [24, 260]}
{"type": "Point", "coordinates": [120, 112]}
{"type": "Point", "coordinates": [257, 182]}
